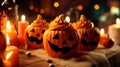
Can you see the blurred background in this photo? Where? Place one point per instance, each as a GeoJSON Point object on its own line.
{"type": "Point", "coordinates": [100, 12]}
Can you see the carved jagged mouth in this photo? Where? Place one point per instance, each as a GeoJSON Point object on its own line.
{"type": "Point", "coordinates": [34, 39]}
{"type": "Point", "coordinates": [64, 49]}
{"type": "Point", "coordinates": [90, 43]}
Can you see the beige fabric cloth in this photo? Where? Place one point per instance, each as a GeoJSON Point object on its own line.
{"type": "Point", "coordinates": [101, 57]}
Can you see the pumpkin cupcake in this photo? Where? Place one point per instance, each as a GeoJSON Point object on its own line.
{"type": "Point", "coordinates": [61, 39]}
{"type": "Point", "coordinates": [34, 32]}
{"type": "Point", "coordinates": [89, 34]}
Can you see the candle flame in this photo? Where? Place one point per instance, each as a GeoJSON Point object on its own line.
{"type": "Point", "coordinates": [67, 19]}
{"type": "Point", "coordinates": [8, 26]}
{"type": "Point", "coordinates": [23, 18]}
{"type": "Point", "coordinates": [7, 39]}
{"type": "Point", "coordinates": [9, 55]}
{"type": "Point", "coordinates": [102, 31]}
{"type": "Point", "coordinates": [117, 21]}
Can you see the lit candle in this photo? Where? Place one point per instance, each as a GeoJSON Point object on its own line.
{"type": "Point", "coordinates": [114, 31]}
{"type": "Point", "coordinates": [12, 34]}
{"type": "Point", "coordinates": [103, 36]}
{"type": "Point", "coordinates": [67, 19]}
{"type": "Point", "coordinates": [11, 55]}
{"type": "Point", "coordinates": [22, 25]}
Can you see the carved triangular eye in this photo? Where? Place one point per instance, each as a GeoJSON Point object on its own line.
{"type": "Point", "coordinates": [70, 38]}
{"type": "Point", "coordinates": [56, 36]}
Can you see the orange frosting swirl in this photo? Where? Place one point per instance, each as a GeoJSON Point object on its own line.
{"type": "Point", "coordinates": [84, 23]}
{"type": "Point", "coordinates": [39, 22]}
{"type": "Point", "coordinates": [59, 23]}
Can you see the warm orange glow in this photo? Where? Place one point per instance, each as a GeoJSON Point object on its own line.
{"type": "Point", "coordinates": [96, 6]}
{"type": "Point", "coordinates": [9, 55]}
{"type": "Point", "coordinates": [102, 31]}
{"type": "Point", "coordinates": [80, 7]}
{"type": "Point", "coordinates": [23, 18]}
{"type": "Point", "coordinates": [7, 39]}
{"type": "Point", "coordinates": [117, 21]}
{"type": "Point", "coordinates": [9, 8]}
{"type": "Point", "coordinates": [42, 11]}
{"type": "Point", "coordinates": [8, 26]}
{"type": "Point", "coordinates": [31, 7]}
{"type": "Point", "coordinates": [67, 19]}
{"type": "Point", "coordinates": [56, 4]}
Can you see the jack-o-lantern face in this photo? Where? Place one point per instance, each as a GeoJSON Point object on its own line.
{"type": "Point", "coordinates": [64, 46]}
{"type": "Point", "coordinates": [89, 39]}
{"type": "Point", "coordinates": [34, 37]}
{"type": "Point", "coordinates": [60, 43]}
{"type": "Point", "coordinates": [61, 40]}
{"type": "Point", "coordinates": [34, 33]}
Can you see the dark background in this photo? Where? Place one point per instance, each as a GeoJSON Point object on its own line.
{"type": "Point", "coordinates": [31, 8]}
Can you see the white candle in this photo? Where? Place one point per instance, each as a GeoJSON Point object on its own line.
{"type": "Point", "coordinates": [114, 31]}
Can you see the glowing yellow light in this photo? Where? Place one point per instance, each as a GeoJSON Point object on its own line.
{"type": "Point", "coordinates": [102, 31]}
{"type": "Point", "coordinates": [7, 39]}
{"type": "Point", "coordinates": [96, 6]}
{"type": "Point", "coordinates": [56, 4]}
{"type": "Point", "coordinates": [117, 21]}
{"type": "Point", "coordinates": [114, 10]}
{"type": "Point", "coordinates": [23, 18]}
{"type": "Point", "coordinates": [9, 55]}
{"type": "Point", "coordinates": [8, 26]}
{"type": "Point", "coordinates": [67, 19]}
{"type": "Point", "coordinates": [80, 7]}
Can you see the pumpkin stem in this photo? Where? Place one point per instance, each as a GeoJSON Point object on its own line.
{"type": "Point", "coordinates": [39, 17]}
{"type": "Point", "coordinates": [60, 19]}
{"type": "Point", "coordinates": [82, 18]}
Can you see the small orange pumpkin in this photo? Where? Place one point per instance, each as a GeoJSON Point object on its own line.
{"type": "Point", "coordinates": [34, 33]}
{"type": "Point", "coordinates": [89, 34]}
{"type": "Point", "coordinates": [61, 40]}
{"type": "Point", "coordinates": [108, 43]}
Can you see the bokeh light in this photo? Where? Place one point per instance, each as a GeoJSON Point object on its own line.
{"type": "Point", "coordinates": [80, 7]}
{"type": "Point", "coordinates": [56, 4]}
{"type": "Point", "coordinates": [31, 7]}
{"type": "Point", "coordinates": [114, 10]}
{"type": "Point", "coordinates": [42, 11]}
{"type": "Point", "coordinates": [96, 6]}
